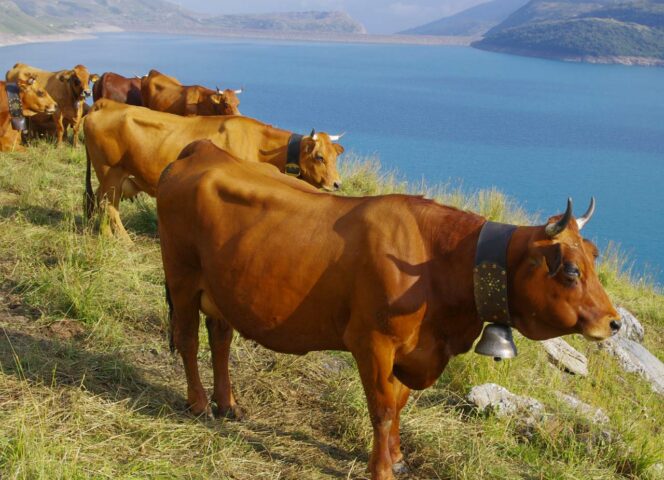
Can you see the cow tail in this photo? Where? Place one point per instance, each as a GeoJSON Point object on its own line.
{"type": "Point", "coordinates": [171, 342]}
{"type": "Point", "coordinates": [89, 194]}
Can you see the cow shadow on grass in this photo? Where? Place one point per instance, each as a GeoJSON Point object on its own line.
{"type": "Point", "coordinates": [30, 353]}
{"type": "Point", "coordinates": [140, 220]}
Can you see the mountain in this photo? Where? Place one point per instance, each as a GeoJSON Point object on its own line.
{"type": "Point", "coordinates": [472, 22]}
{"type": "Point", "coordinates": [47, 17]}
{"type": "Point", "coordinates": [606, 31]}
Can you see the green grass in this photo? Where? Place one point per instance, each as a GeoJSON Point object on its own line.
{"type": "Point", "coordinates": [88, 388]}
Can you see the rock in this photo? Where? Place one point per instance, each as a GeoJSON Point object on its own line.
{"type": "Point", "coordinates": [565, 357]}
{"type": "Point", "coordinates": [595, 415]}
{"type": "Point", "coordinates": [503, 402]}
{"type": "Point", "coordinates": [634, 357]}
{"type": "Point", "coordinates": [631, 327]}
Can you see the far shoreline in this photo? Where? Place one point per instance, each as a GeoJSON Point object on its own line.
{"type": "Point", "coordinates": [7, 40]}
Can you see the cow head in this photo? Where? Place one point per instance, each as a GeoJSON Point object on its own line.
{"type": "Point", "coordinates": [34, 98]}
{"type": "Point", "coordinates": [225, 102]}
{"type": "Point", "coordinates": [318, 160]}
{"type": "Point", "coordinates": [78, 80]}
{"type": "Point", "coordinates": [553, 285]}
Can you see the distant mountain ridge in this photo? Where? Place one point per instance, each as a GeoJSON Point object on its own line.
{"type": "Point", "coordinates": [32, 17]}
{"type": "Point", "coordinates": [605, 31]}
{"type": "Point", "coordinates": [475, 21]}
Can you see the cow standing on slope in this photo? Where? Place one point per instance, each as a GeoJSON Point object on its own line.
{"type": "Point", "coordinates": [69, 88]}
{"type": "Point", "coordinates": [392, 279]}
{"type": "Point", "coordinates": [166, 94]}
{"type": "Point", "coordinates": [33, 99]}
{"type": "Point", "coordinates": [118, 88]}
{"type": "Point", "coordinates": [130, 146]}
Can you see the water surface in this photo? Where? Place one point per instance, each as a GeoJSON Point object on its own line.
{"type": "Point", "coordinates": [538, 130]}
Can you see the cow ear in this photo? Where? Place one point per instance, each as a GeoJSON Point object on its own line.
{"type": "Point", "coordinates": [338, 148]}
{"type": "Point", "coordinates": [93, 78]}
{"type": "Point", "coordinates": [216, 98]}
{"type": "Point", "coordinates": [63, 77]}
{"type": "Point", "coordinates": [553, 255]}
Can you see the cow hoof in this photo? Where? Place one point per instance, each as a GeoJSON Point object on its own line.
{"type": "Point", "coordinates": [231, 413]}
{"type": "Point", "coordinates": [400, 468]}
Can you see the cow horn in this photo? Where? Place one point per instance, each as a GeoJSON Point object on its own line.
{"type": "Point", "coordinates": [218, 91]}
{"type": "Point", "coordinates": [238, 91]}
{"type": "Point", "coordinates": [313, 134]}
{"type": "Point", "coordinates": [582, 220]}
{"type": "Point", "coordinates": [335, 138]}
{"type": "Point", "coordinates": [553, 229]}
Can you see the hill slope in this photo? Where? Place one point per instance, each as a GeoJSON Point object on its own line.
{"type": "Point", "coordinates": [598, 31]}
{"type": "Point", "coordinates": [43, 16]}
{"type": "Point", "coordinates": [88, 388]}
{"type": "Point", "coordinates": [474, 21]}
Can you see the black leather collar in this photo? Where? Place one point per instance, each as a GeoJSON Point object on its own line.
{"type": "Point", "coordinates": [490, 273]}
{"type": "Point", "coordinates": [15, 107]}
{"type": "Point", "coordinates": [293, 155]}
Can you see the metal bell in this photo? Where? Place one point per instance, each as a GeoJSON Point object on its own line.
{"type": "Point", "coordinates": [496, 342]}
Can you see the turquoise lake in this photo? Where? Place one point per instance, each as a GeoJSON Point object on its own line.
{"type": "Point", "coordinates": [538, 130]}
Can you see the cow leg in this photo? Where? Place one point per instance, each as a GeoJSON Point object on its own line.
{"type": "Point", "coordinates": [76, 125]}
{"type": "Point", "coordinates": [375, 362]}
{"type": "Point", "coordinates": [110, 193]}
{"type": "Point", "coordinates": [59, 126]}
{"type": "Point", "coordinates": [401, 392]}
{"type": "Point", "coordinates": [184, 330]}
{"type": "Point", "coordinates": [220, 335]}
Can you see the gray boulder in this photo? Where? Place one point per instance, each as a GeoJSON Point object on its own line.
{"type": "Point", "coordinates": [631, 327]}
{"type": "Point", "coordinates": [634, 357]}
{"type": "Point", "coordinates": [565, 357]}
{"type": "Point", "coordinates": [493, 397]}
{"type": "Point", "coordinates": [595, 415]}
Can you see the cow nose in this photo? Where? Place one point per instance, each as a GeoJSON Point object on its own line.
{"type": "Point", "coordinates": [337, 185]}
{"type": "Point", "coordinates": [615, 326]}
{"type": "Point", "coordinates": [87, 93]}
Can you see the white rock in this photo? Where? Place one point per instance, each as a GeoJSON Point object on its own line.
{"type": "Point", "coordinates": [565, 357]}
{"type": "Point", "coordinates": [631, 328]}
{"type": "Point", "coordinates": [593, 414]}
{"type": "Point", "coordinates": [634, 357]}
{"type": "Point", "coordinates": [503, 402]}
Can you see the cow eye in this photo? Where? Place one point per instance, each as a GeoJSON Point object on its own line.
{"type": "Point", "coordinates": [320, 158]}
{"type": "Point", "coordinates": [571, 271]}
{"type": "Point", "coordinates": [41, 94]}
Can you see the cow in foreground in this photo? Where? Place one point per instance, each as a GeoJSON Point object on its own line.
{"type": "Point", "coordinates": [388, 278]}
{"type": "Point", "coordinates": [130, 146]}
{"type": "Point", "coordinates": [34, 100]}
{"type": "Point", "coordinates": [166, 94]}
{"type": "Point", "coordinates": [118, 88]}
{"type": "Point", "coordinates": [69, 88]}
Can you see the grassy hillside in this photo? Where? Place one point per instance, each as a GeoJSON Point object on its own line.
{"type": "Point", "coordinates": [89, 389]}
{"type": "Point", "coordinates": [160, 15]}
{"type": "Point", "coordinates": [471, 22]}
{"type": "Point", "coordinates": [578, 29]}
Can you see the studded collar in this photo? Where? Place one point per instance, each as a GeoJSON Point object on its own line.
{"type": "Point", "coordinates": [15, 107]}
{"type": "Point", "coordinates": [293, 155]}
{"type": "Point", "coordinates": [490, 273]}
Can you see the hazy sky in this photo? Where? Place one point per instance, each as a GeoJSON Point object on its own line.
{"type": "Point", "coordinates": [378, 16]}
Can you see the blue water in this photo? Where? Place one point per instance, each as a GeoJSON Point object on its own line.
{"type": "Point", "coordinates": [538, 130]}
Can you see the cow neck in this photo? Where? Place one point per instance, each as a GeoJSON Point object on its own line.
{"type": "Point", "coordinates": [75, 98]}
{"type": "Point", "coordinates": [490, 273]}
{"type": "Point", "coordinates": [292, 166]}
{"type": "Point", "coordinates": [15, 107]}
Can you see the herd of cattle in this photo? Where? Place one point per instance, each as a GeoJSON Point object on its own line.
{"type": "Point", "coordinates": [401, 282]}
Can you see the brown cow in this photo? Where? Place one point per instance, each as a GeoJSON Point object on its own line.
{"type": "Point", "coordinates": [130, 146]}
{"type": "Point", "coordinates": [166, 94]}
{"type": "Point", "coordinates": [34, 99]}
{"type": "Point", "coordinates": [388, 278]}
{"type": "Point", "coordinates": [118, 88]}
{"type": "Point", "coordinates": [69, 88]}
